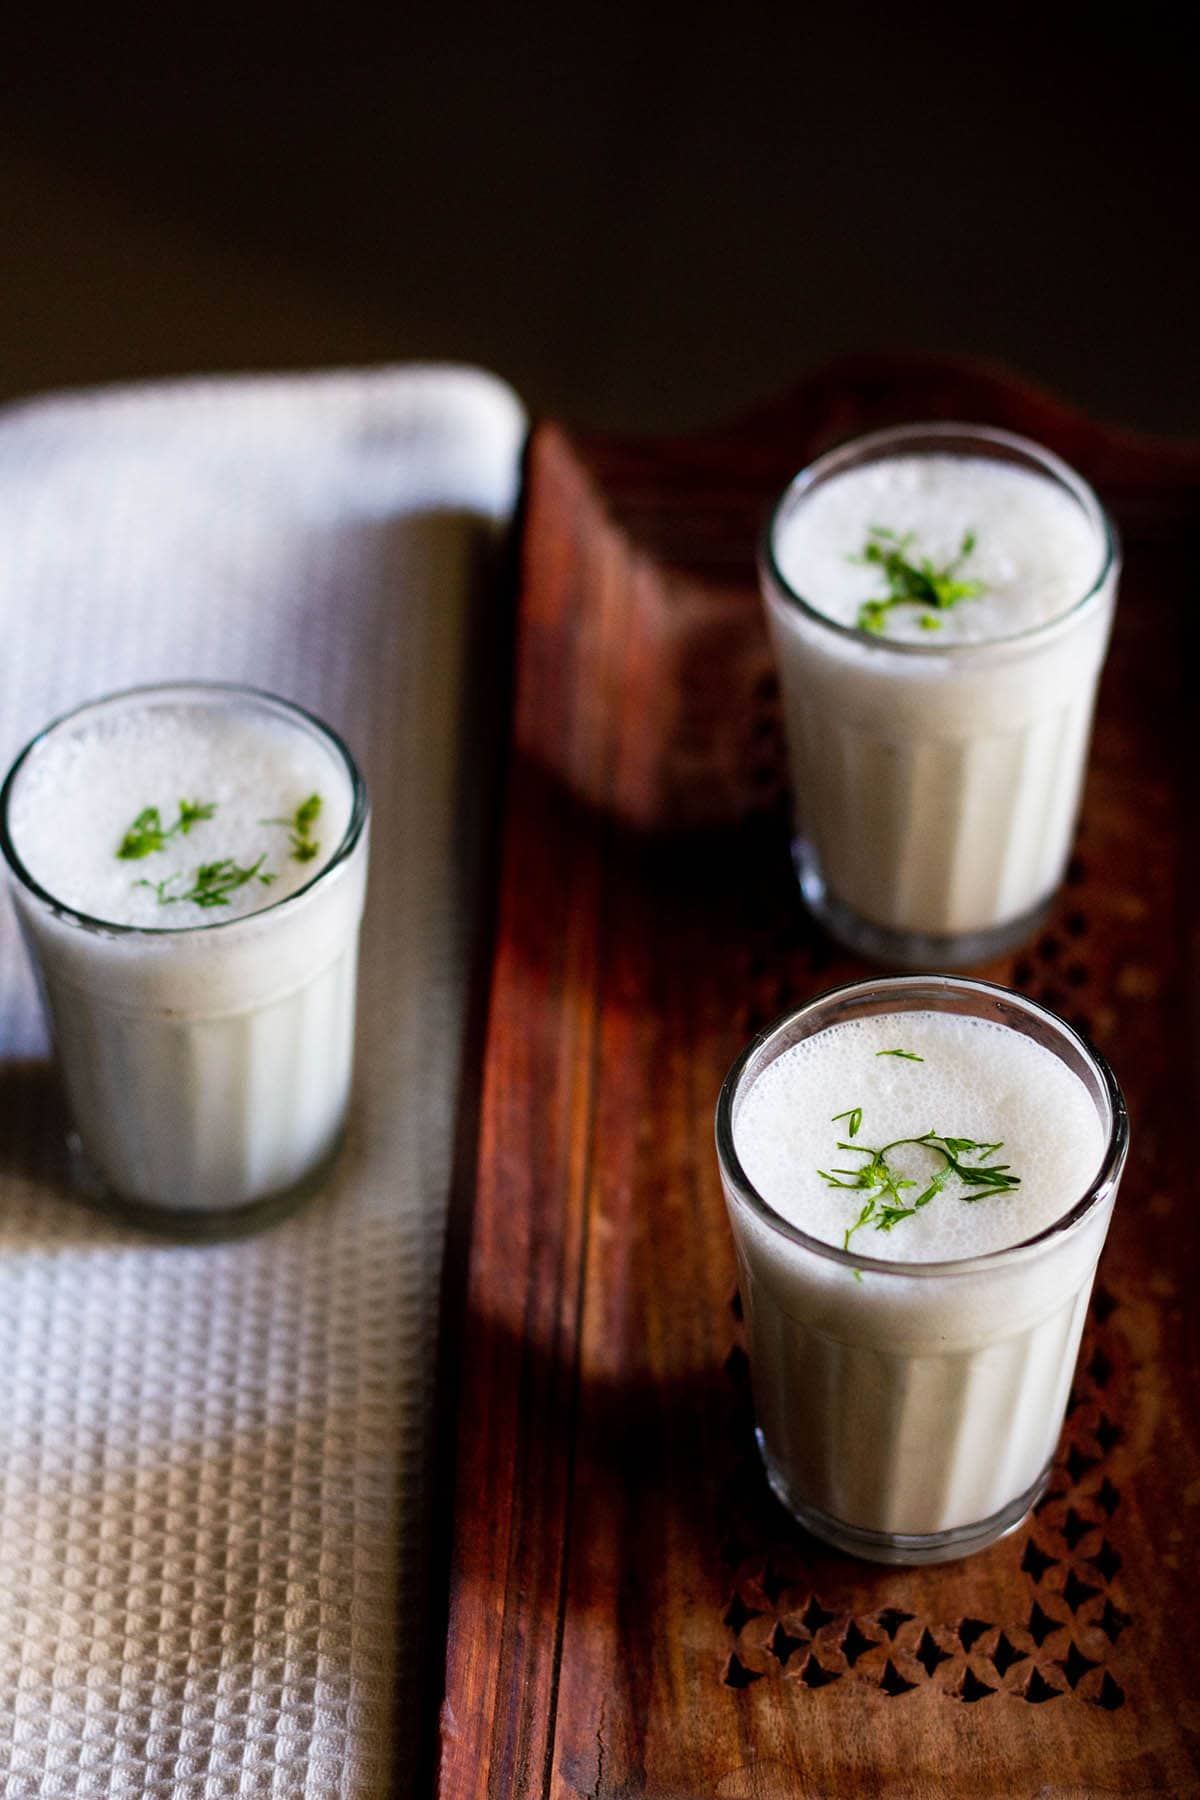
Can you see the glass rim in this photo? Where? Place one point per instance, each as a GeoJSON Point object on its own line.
{"type": "Point", "coordinates": [1098, 1189]}
{"type": "Point", "coordinates": [892, 438]}
{"type": "Point", "coordinates": [116, 928]}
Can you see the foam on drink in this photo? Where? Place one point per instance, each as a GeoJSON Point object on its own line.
{"type": "Point", "coordinates": [1035, 551]}
{"type": "Point", "coordinates": [978, 1079]}
{"type": "Point", "coordinates": [80, 790]}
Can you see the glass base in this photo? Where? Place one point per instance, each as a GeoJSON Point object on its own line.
{"type": "Point", "coordinates": [904, 1547]}
{"type": "Point", "coordinates": [908, 949]}
{"type": "Point", "coordinates": [193, 1225]}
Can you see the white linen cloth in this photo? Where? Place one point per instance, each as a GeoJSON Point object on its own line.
{"type": "Point", "coordinates": [213, 1460]}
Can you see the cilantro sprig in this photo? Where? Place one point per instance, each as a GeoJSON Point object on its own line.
{"type": "Point", "coordinates": [212, 883]}
{"type": "Point", "coordinates": [299, 828]}
{"type": "Point", "coordinates": [147, 833]}
{"type": "Point", "coordinates": [887, 1188]}
{"type": "Point", "coordinates": [913, 583]}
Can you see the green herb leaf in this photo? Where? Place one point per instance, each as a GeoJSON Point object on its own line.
{"type": "Point", "coordinates": [212, 883]}
{"type": "Point", "coordinates": [935, 1187]}
{"type": "Point", "coordinates": [147, 834]}
{"type": "Point", "coordinates": [854, 1114]}
{"type": "Point", "coordinates": [159, 887]}
{"type": "Point", "coordinates": [144, 835]}
{"type": "Point", "coordinates": [215, 881]}
{"type": "Point", "coordinates": [299, 827]}
{"type": "Point", "coordinates": [192, 812]}
{"type": "Point", "coordinates": [912, 583]}
{"type": "Point", "coordinates": [886, 1185]}
{"type": "Point", "coordinates": [958, 1145]}
{"type": "Point", "coordinates": [908, 1055]}
{"type": "Point", "coordinates": [861, 1220]}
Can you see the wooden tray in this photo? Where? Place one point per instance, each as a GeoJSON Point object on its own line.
{"type": "Point", "coordinates": [630, 1611]}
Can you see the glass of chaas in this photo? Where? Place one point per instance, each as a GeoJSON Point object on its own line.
{"type": "Point", "coordinates": [919, 1172]}
{"type": "Point", "coordinates": [188, 865]}
{"type": "Point", "coordinates": [939, 599]}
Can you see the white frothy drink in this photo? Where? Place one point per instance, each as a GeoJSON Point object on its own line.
{"type": "Point", "coordinates": [938, 753]}
{"type": "Point", "coordinates": [190, 867]}
{"type": "Point", "coordinates": [921, 1401]}
{"type": "Point", "coordinates": [82, 792]}
{"type": "Point", "coordinates": [962, 1077]}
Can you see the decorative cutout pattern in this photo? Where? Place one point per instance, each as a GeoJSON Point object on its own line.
{"type": "Point", "coordinates": [815, 1615]}
{"type": "Point", "coordinates": [1005, 1656]}
{"type": "Point", "coordinates": [1035, 1562]}
{"type": "Point", "coordinates": [1038, 1689]}
{"type": "Point", "coordinates": [783, 1643]}
{"type": "Point", "coordinates": [1041, 1625]}
{"type": "Point", "coordinates": [854, 1644]}
{"type": "Point", "coordinates": [929, 1652]}
{"type": "Point", "coordinates": [816, 1675]}
{"type": "Point", "coordinates": [737, 1614]}
{"type": "Point", "coordinates": [893, 1683]}
{"type": "Point", "coordinates": [737, 1675]}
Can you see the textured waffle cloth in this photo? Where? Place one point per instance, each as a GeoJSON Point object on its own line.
{"type": "Point", "coordinates": [214, 1461]}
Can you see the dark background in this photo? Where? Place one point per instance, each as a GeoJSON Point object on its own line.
{"type": "Point", "coordinates": [643, 218]}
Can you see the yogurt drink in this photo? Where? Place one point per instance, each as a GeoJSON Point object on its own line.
{"type": "Point", "coordinates": [188, 865]}
{"type": "Point", "coordinates": [939, 599]}
{"type": "Point", "coordinates": [919, 1173]}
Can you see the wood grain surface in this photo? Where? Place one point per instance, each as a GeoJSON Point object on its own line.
{"type": "Point", "coordinates": [631, 1613]}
